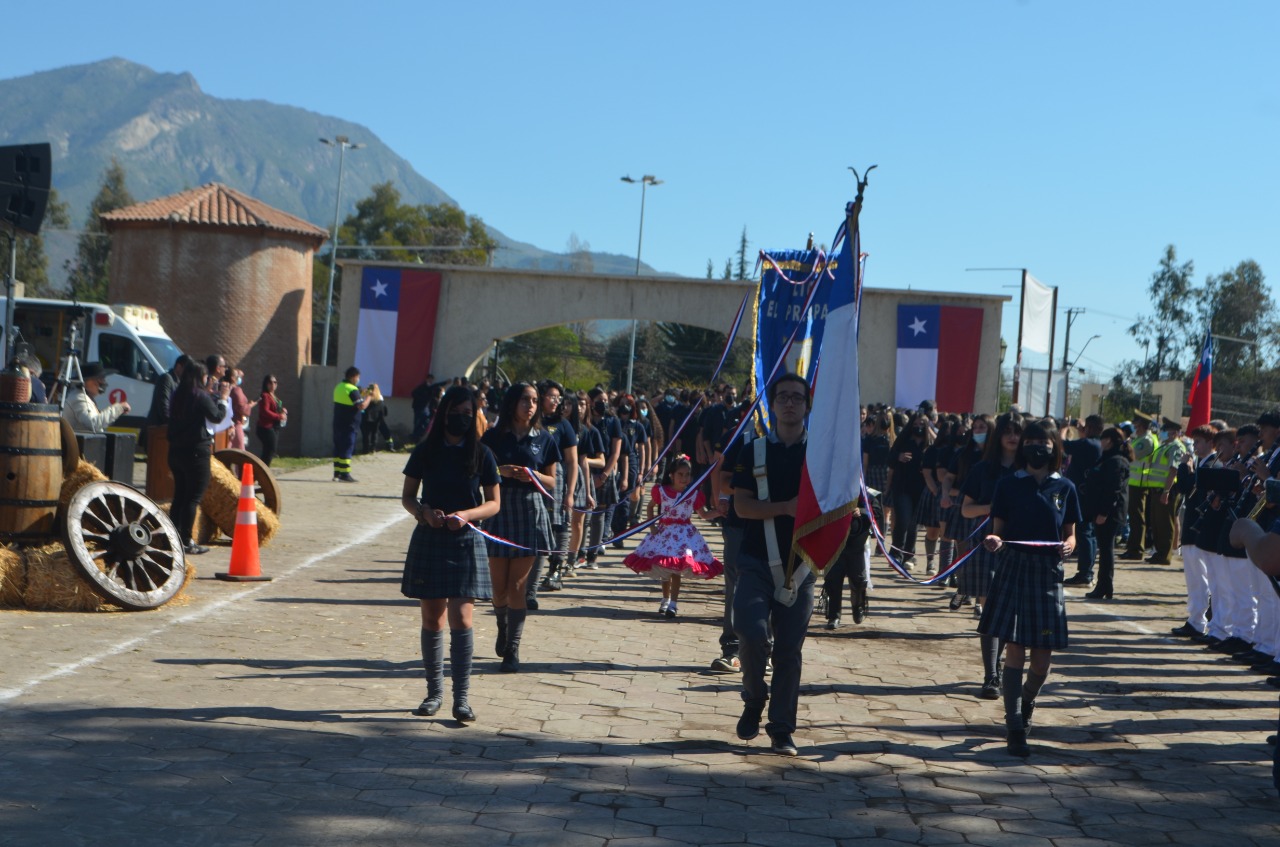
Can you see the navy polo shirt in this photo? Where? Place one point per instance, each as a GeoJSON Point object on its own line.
{"type": "Point", "coordinates": [906, 475]}
{"type": "Point", "coordinates": [980, 484]}
{"type": "Point", "coordinates": [562, 432]}
{"type": "Point", "coordinates": [536, 450]}
{"type": "Point", "coordinates": [731, 454]}
{"type": "Point", "coordinates": [783, 465]}
{"type": "Point", "coordinates": [445, 483]}
{"type": "Point", "coordinates": [1034, 511]}
{"type": "Point", "coordinates": [1084, 454]}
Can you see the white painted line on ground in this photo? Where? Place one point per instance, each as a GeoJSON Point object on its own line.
{"type": "Point", "coordinates": [211, 609]}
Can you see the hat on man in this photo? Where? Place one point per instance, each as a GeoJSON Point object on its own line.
{"type": "Point", "coordinates": [1170, 425]}
{"type": "Point", "coordinates": [95, 370]}
{"type": "Point", "coordinates": [1143, 416]}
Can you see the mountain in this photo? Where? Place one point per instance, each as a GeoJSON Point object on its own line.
{"type": "Point", "coordinates": [169, 136]}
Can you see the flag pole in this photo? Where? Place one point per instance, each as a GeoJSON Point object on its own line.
{"type": "Point", "coordinates": [1053, 328]}
{"type": "Point", "coordinates": [1017, 361]}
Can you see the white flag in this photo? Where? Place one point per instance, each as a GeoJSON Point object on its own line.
{"type": "Point", "coordinates": [1037, 315]}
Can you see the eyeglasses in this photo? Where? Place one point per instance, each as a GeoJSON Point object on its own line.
{"type": "Point", "coordinates": [786, 397]}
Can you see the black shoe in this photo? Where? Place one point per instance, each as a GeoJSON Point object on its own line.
{"type": "Point", "coordinates": [511, 661]}
{"type": "Point", "coordinates": [832, 624]}
{"type": "Point", "coordinates": [1271, 668]}
{"type": "Point", "coordinates": [428, 707]}
{"type": "Point", "coordinates": [531, 603]}
{"type": "Point", "coordinates": [1271, 739]}
{"type": "Point", "coordinates": [1233, 645]}
{"type": "Point", "coordinates": [1078, 579]}
{"type": "Point", "coordinates": [1098, 594]}
{"type": "Point", "coordinates": [1184, 631]}
{"type": "Point", "coordinates": [860, 605]}
{"type": "Point", "coordinates": [783, 745]}
{"type": "Point", "coordinates": [1157, 560]}
{"type": "Point", "coordinates": [1273, 681]}
{"type": "Point", "coordinates": [195, 550]}
{"type": "Point", "coordinates": [749, 723]}
{"type": "Point", "coordinates": [462, 712]}
{"type": "Point", "coordinates": [616, 545]}
{"type": "Point", "coordinates": [1016, 743]}
{"type": "Point", "coordinates": [990, 688]}
{"type": "Point", "coordinates": [1131, 557]}
{"type": "Point", "coordinates": [1252, 657]}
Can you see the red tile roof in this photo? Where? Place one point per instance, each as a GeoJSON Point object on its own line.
{"type": "Point", "coordinates": [215, 205]}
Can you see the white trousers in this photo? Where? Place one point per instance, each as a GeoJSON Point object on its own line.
{"type": "Point", "coordinates": [1196, 573]}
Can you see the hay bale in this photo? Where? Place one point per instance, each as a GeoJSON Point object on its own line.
{"type": "Point", "coordinates": [222, 500]}
{"type": "Point", "coordinates": [84, 474]}
{"type": "Point", "coordinates": [55, 585]}
{"type": "Point", "coordinates": [13, 577]}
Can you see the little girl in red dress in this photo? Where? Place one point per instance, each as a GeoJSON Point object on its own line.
{"type": "Point", "coordinates": [674, 546]}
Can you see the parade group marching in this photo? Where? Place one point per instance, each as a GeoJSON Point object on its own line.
{"type": "Point", "coordinates": [514, 488]}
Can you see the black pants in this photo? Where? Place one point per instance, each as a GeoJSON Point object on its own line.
{"type": "Point", "coordinates": [849, 565]}
{"type": "Point", "coordinates": [905, 507]}
{"type": "Point", "coordinates": [268, 437]}
{"type": "Point", "coordinates": [190, 467]}
{"type": "Point", "coordinates": [1106, 535]}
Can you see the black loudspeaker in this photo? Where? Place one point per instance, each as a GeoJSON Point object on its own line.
{"type": "Point", "coordinates": [93, 449]}
{"type": "Point", "coordinates": [120, 449]}
{"type": "Point", "coordinates": [26, 172]}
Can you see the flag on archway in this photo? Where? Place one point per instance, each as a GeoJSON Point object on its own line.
{"type": "Point", "coordinates": [830, 482]}
{"type": "Point", "coordinates": [1201, 396]}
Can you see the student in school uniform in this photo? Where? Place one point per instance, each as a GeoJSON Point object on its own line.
{"type": "Point", "coordinates": [522, 447]}
{"type": "Point", "coordinates": [1033, 518]}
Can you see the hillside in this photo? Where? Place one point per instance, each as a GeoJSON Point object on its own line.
{"type": "Point", "coordinates": [169, 135]}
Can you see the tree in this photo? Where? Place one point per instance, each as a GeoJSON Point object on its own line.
{"type": "Point", "coordinates": [1171, 330]}
{"type": "Point", "coordinates": [88, 271]}
{"type": "Point", "coordinates": [742, 256]}
{"type": "Point", "coordinates": [554, 352]}
{"type": "Point", "coordinates": [32, 261]}
{"type": "Point", "coordinates": [1236, 303]}
{"type": "Point", "coordinates": [579, 253]}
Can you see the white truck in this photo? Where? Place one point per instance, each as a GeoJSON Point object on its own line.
{"type": "Point", "coordinates": [127, 339]}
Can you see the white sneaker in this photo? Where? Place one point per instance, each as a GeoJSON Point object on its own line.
{"type": "Point", "coordinates": [662, 607]}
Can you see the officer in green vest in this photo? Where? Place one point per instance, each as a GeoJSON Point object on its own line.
{"type": "Point", "coordinates": [1162, 502]}
{"type": "Point", "coordinates": [347, 408]}
{"type": "Point", "coordinates": [1144, 444]}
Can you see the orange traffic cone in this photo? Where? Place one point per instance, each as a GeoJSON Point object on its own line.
{"type": "Point", "coordinates": [244, 544]}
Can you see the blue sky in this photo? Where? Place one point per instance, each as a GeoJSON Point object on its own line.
{"type": "Point", "coordinates": [1075, 139]}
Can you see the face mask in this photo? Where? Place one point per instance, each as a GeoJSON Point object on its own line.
{"type": "Point", "coordinates": [979, 438]}
{"type": "Point", "coordinates": [456, 425]}
{"type": "Point", "coordinates": [670, 398]}
{"type": "Point", "coordinates": [644, 413]}
{"type": "Point", "coordinates": [1037, 455]}
{"type": "Point", "coordinates": [918, 430]}
{"type": "Point", "coordinates": [239, 380]}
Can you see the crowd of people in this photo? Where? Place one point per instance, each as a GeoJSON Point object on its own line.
{"type": "Point", "coordinates": [999, 504]}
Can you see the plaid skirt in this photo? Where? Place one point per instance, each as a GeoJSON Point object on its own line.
{"type": "Point", "coordinates": [580, 491]}
{"type": "Point", "coordinates": [877, 477]}
{"type": "Point", "coordinates": [607, 491]}
{"type": "Point", "coordinates": [958, 526]}
{"type": "Point", "coordinates": [974, 576]}
{"type": "Point", "coordinates": [556, 506]}
{"type": "Point", "coordinates": [928, 514]}
{"type": "Point", "coordinates": [523, 520]}
{"type": "Point", "coordinates": [1025, 604]}
{"type": "Point", "coordinates": [442, 563]}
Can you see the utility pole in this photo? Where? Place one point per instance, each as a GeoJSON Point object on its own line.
{"type": "Point", "coordinates": [1066, 346]}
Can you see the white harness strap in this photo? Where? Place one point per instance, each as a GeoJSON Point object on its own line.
{"type": "Point", "coordinates": [784, 592]}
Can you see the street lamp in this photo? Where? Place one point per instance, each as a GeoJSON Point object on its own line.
{"type": "Point", "coordinates": [343, 144]}
{"type": "Point", "coordinates": [645, 181]}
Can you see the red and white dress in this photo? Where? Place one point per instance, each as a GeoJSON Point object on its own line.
{"type": "Point", "coordinates": [674, 546]}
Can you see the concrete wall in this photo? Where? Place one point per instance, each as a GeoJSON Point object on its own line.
{"type": "Point", "coordinates": [245, 294]}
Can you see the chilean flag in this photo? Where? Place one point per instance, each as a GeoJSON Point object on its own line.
{"type": "Point", "coordinates": [1201, 396]}
{"type": "Point", "coordinates": [396, 328]}
{"type": "Point", "coordinates": [938, 349]}
{"type": "Point", "coordinates": [830, 479]}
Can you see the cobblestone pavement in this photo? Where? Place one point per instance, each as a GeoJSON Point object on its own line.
{"type": "Point", "coordinates": [279, 714]}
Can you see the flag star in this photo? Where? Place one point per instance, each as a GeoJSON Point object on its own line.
{"type": "Point", "coordinates": [379, 289]}
{"type": "Point", "coordinates": [917, 326]}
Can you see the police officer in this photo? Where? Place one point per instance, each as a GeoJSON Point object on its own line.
{"type": "Point", "coordinates": [348, 404]}
{"type": "Point", "coordinates": [1144, 444]}
{"type": "Point", "coordinates": [1162, 497]}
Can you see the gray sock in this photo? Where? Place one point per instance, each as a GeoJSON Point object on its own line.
{"type": "Point", "coordinates": [515, 628]}
{"type": "Point", "coordinates": [461, 648]}
{"type": "Point", "coordinates": [1031, 687]}
{"type": "Point", "coordinates": [990, 654]}
{"type": "Point", "coordinates": [433, 662]}
{"type": "Point", "coordinates": [1013, 697]}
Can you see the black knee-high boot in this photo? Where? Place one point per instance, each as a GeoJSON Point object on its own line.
{"type": "Point", "coordinates": [461, 647]}
{"type": "Point", "coordinates": [500, 646]}
{"type": "Point", "coordinates": [515, 628]}
{"type": "Point", "coordinates": [1016, 736]}
{"type": "Point", "coordinates": [1030, 689]}
{"type": "Point", "coordinates": [433, 664]}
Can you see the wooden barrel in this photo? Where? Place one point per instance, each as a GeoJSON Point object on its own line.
{"type": "Point", "coordinates": [159, 477]}
{"type": "Point", "coordinates": [30, 470]}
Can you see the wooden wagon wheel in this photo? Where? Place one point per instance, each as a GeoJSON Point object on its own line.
{"type": "Point", "coordinates": [124, 545]}
{"type": "Point", "coordinates": [264, 484]}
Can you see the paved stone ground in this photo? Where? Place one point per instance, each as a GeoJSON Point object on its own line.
{"type": "Point", "coordinates": [279, 714]}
